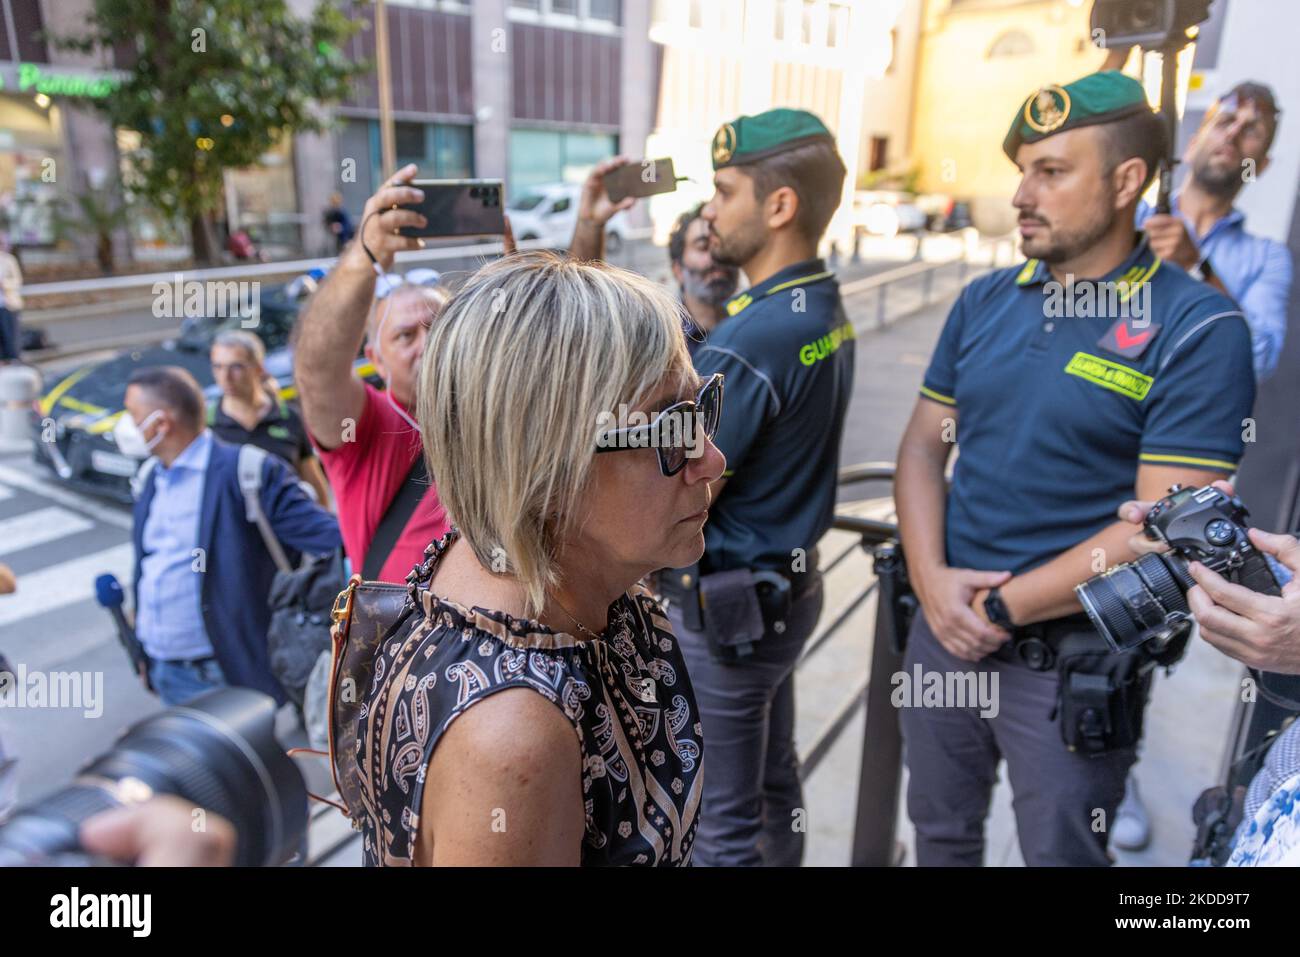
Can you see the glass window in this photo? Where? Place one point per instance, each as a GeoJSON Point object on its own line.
{"type": "Point", "coordinates": [535, 158]}
{"type": "Point", "coordinates": [411, 143]}
{"type": "Point", "coordinates": [567, 7]}
{"type": "Point", "coordinates": [697, 14]}
{"type": "Point", "coordinates": [541, 157]}
{"type": "Point", "coordinates": [609, 10]}
{"type": "Point", "coordinates": [807, 21]}
{"type": "Point", "coordinates": [1011, 43]}
{"type": "Point", "coordinates": [837, 26]}
{"type": "Point", "coordinates": [453, 151]}
{"type": "Point", "coordinates": [582, 151]}
{"type": "Point", "coordinates": [440, 150]}
{"type": "Point", "coordinates": [778, 30]}
{"type": "Point", "coordinates": [527, 4]}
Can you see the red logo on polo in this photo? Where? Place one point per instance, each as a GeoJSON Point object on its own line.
{"type": "Point", "coordinates": [1124, 340]}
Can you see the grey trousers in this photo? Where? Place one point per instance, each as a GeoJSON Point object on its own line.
{"type": "Point", "coordinates": [1064, 801]}
{"type": "Point", "coordinates": [751, 813]}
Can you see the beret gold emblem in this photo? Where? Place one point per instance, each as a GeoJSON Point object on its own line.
{"type": "Point", "coordinates": [724, 143]}
{"type": "Point", "coordinates": [1048, 109]}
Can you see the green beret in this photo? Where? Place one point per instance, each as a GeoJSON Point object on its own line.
{"type": "Point", "coordinates": [748, 139]}
{"type": "Point", "coordinates": [1096, 98]}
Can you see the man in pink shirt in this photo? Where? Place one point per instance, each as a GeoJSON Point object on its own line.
{"type": "Point", "coordinates": [368, 440]}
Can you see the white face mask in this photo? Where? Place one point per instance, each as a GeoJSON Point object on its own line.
{"type": "Point", "coordinates": [130, 437]}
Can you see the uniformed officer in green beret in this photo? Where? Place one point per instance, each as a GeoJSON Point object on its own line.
{"type": "Point", "coordinates": [1092, 374]}
{"type": "Point", "coordinates": [786, 348]}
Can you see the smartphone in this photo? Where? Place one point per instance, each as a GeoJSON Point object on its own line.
{"type": "Point", "coordinates": [458, 207]}
{"type": "Point", "coordinates": [646, 178]}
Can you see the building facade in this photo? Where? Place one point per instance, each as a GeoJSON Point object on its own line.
{"type": "Point", "coordinates": [852, 62]}
{"type": "Point", "coordinates": [528, 91]}
{"type": "Point", "coordinates": [51, 144]}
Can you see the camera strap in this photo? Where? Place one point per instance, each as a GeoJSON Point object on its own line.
{"type": "Point", "coordinates": [1275, 697]}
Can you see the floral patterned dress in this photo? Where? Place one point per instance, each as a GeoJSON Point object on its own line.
{"type": "Point", "coordinates": [626, 694]}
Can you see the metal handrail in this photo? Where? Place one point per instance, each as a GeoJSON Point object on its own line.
{"type": "Point", "coordinates": [881, 769]}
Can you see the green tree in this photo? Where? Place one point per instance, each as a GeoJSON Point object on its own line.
{"type": "Point", "coordinates": [98, 212]}
{"type": "Point", "coordinates": [214, 85]}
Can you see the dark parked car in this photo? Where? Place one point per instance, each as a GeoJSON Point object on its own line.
{"type": "Point", "coordinates": [73, 421]}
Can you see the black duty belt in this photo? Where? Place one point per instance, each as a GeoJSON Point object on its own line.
{"type": "Point", "coordinates": [1036, 645]}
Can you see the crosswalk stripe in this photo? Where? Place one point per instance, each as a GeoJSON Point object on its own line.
{"type": "Point", "coordinates": [40, 526]}
{"type": "Point", "coordinates": [100, 511]}
{"type": "Point", "coordinates": [65, 583]}
{"type": "Point", "coordinates": [6, 492]}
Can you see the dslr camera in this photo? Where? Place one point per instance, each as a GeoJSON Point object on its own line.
{"type": "Point", "coordinates": [1147, 23]}
{"type": "Point", "coordinates": [1146, 599]}
{"type": "Point", "coordinates": [217, 751]}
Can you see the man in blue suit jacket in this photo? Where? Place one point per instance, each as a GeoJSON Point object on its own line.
{"type": "Point", "coordinates": [202, 570]}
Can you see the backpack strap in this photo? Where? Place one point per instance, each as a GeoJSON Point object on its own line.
{"type": "Point", "coordinates": [251, 459]}
{"type": "Point", "coordinates": [395, 519]}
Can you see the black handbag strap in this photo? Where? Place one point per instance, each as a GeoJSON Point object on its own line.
{"type": "Point", "coordinates": [399, 512]}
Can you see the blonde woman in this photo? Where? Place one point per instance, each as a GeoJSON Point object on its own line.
{"type": "Point", "coordinates": [532, 706]}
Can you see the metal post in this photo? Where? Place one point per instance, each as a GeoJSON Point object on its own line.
{"type": "Point", "coordinates": [882, 749]}
{"type": "Point", "coordinates": [387, 138]}
{"type": "Point", "coordinates": [19, 386]}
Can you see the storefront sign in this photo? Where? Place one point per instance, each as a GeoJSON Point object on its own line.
{"type": "Point", "coordinates": [34, 78]}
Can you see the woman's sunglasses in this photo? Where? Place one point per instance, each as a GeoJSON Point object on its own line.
{"type": "Point", "coordinates": [675, 433]}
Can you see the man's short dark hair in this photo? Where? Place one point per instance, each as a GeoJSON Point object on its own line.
{"type": "Point", "coordinates": [677, 238]}
{"type": "Point", "coordinates": [173, 389]}
{"type": "Point", "coordinates": [815, 172]}
{"type": "Point", "coordinates": [1141, 135]}
{"type": "Point", "coordinates": [1248, 91]}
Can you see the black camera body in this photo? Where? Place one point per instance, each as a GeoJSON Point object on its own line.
{"type": "Point", "coordinates": [1146, 599]}
{"type": "Point", "coordinates": [1147, 23]}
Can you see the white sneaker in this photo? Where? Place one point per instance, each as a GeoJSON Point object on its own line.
{"type": "Point", "coordinates": [1132, 830]}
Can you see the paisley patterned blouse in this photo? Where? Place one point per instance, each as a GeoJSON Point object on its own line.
{"type": "Point", "coordinates": [626, 694]}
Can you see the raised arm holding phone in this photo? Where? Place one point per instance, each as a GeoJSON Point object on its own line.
{"type": "Point", "coordinates": [368, 443]}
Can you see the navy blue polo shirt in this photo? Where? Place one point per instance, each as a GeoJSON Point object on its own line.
{"type": "Point", "coordinates": [1059, 401]}
{"type": "Point", "coordinates": [786, 349]}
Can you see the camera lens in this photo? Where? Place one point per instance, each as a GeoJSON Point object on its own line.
{"type": "Point", "coordinates": [1145, 15]}
{"type": "Point", "coordinates": [1131, 603]}
{"type": "Point", "coordinates": [218, 752]}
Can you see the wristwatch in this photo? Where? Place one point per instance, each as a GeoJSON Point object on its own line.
{"type": "Point", "coordinates": [996, 610]}
{"type": "Point", "coordinates": [1202, 271]}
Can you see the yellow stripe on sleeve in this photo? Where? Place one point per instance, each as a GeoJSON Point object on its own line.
{"type": "Point", "coordinates": [1189, 460]}
{"type": "Point", "coordinates": [937, 396]}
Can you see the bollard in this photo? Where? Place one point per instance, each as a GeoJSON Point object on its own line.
{"type": "Point", "coordinates": [19, 386]}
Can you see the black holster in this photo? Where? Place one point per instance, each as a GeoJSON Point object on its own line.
{"type": "Point", "coordinates": [1101, 696]}
{"type": "Point", "coordinates": [733, 609]}
{"type": "Point", "coordinates": [895, 598]}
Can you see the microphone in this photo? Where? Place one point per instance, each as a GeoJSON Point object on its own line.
{"type": "Point", "coordinates": [109, 594]}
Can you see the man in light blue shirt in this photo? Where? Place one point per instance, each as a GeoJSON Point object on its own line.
{"type": "Point", "coordinates": [203, 572]}
{"type": "Point", "coordinates": [1207, 237]}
